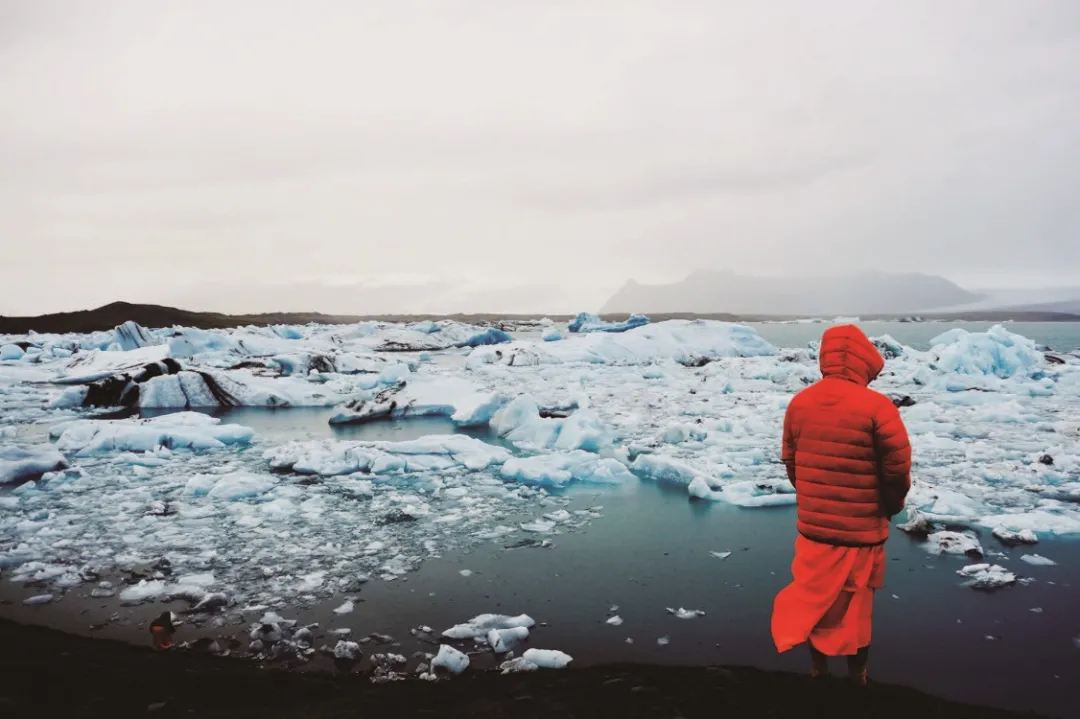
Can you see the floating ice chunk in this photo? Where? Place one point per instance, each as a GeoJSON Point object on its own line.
{"type": "Point", "coordinates": [721, 555]}
{"type": "Point", "coordinates": [183, 430]}
{"type": "Point", "coordinates": [1037, 560]}
{"type": "Point", "coordinates": [431, 453]}
{"type": "Point", "coordinates": [615, 621]}
{"type": "Point", "coordinates": [38, 599]}
{"type": "Point", "coordinates": [423, 396]}
{"type": "Point", "coordinates": [145, 589]}
{"type": "Point", "coordinates": [679, 340]}
{"type": "Point", "coordinates": [558, 470]}
{"type": "Point", "coordinates": [1042, 520]}
{"type": "Point", "coordinates": [23, 463]}
{"type": "Point", "coordinates": [996, 352]}
{"type": "Point", "coordinates": [679, 433]}
{"type": "Point", "coordinates": [517, 665]}
{"type": "Point", "coordinates": [450, 659]}
{"type": "Point", "coordinates": [757, 494]}
{"type": "Point", "coordinates": [97, 364]}
{"type": "Point", "coordinates": [540, 526]}
{"type": "Point", "coordinates": [520, 422]}
{"type": "Point", "coordinates": [586, 322]}
{"type": "Point", "coordinates": [681, 613]}
{"type": "Point", "coordinates": [663, 641]}
{"type": "Point", "coordinates": [345, 608]}
{"type": "Point", "coordinates": [466, 572]}
{"type": "Point", "coordinates": [987, 576]}
{"type": "Point", "coordinates": [552, 334]}
{"type": "Point", "coordinates": [347, 651]}
{"type": "Point", "coordinates": [210, 602]}
{"type": "Point", "coordinates": [547, 658]}
{"type": "Point", "coordinates": [582, 430]}
{"type": "Point", "coordinates": [236, 485]}
{"type": "Point", "coordinates": [661, 468]}
{"type": "Point", "coordinates": [132, 336]}
{"type": "Point", "coordinates": [503, 640]}
{"type": "Point", "coordinates": [700, 489]}
{"type": "Point", "coordinates": [480, 625]}
{"type": "Point", "coordinates": [10, 353]}
{"type": "Point", "coordinates": [476, 410]}
{"type": "Point", "coordinates": [946, 542]}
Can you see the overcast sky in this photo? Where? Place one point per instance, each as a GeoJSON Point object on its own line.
{"type": "Point", "coordinates": [150, 148]}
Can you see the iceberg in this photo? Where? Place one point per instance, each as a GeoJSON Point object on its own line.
{"type": "Point", "coordinates": [439, 452]}
{"type": "Point", "coordinates": [996, 352]}
{"type": "Point", "coordinates": [183, 430]}
{"type": "Point", "coordinates": [588, 322]}
{"type": "Point", "coordinates": [458, 399]}
{"type": "Point", "coordinates": [987, 576]}
{"type": "Point", "coordinates": [481, 625]}
{"type": "Point", "coordinates": [18, 464]}
{"type": "Point", "coordinates": [503, 640]}
{"type": "Point", "coordinates": [520, 422]}
{"type": "Point", "coordinates": [98, 364]}
{"type": "Point", "coordinates": [551, 334]}
{"type": "Point", "coordinates": [547, 658]}
{"type": "Point", "coordinates": [450, 659]}
{"type": "Point", "coordinates": [686, 341]}
{"type": "Point", "coordinates": [560, 469]}
{"type": "Point", "coordinates": [131, 336]}
{"type": "Point", "coordinates": [11, 353]}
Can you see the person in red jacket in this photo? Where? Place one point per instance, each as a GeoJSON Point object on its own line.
{"type": "Point", "coordinates": [847, 453]}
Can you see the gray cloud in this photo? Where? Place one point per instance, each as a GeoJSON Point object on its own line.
{"type": "Point", "coordinates": [148, 149]}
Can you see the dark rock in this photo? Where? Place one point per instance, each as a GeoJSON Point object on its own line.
{"type": "Point", "coordinates": [1046, 459]}
{"type": "Point", "coordinates": [395, 516]}
{"type": "Point", "coordinates": [902, 400]}
{"type": "Point", "coordinates": [162, 565]}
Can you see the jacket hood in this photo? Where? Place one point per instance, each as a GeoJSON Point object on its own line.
{"type": "Point", "coordinates": [846, 353]}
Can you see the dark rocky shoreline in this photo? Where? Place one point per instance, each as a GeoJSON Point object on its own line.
{"type": "Point", "coordinates": [46, 673]}
{"type": "Point", "coordinates": [116, 313]}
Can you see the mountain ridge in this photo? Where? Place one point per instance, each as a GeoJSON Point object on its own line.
{"type": "Point", "coordinates": [706, 291]}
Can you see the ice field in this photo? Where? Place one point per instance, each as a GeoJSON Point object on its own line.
{"type": "Point", "coordinates": [123, 478]}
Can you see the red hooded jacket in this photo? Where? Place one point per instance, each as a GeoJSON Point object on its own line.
{"type": "Point", "coordinates": [845, 447]}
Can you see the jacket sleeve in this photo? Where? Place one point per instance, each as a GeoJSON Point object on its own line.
{"type": "Point", "coordinates": [893, 451]}
{"type": "Point", "coordinates": [787, 452]}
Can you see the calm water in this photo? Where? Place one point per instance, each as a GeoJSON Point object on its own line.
{"type": "Point", "coordinates": [1061, 336]}
{"type": "Point", "coordinates": [651, 551]}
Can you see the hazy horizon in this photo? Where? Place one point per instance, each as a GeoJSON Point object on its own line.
{"type": "Point", "coordinates": [218, 155]}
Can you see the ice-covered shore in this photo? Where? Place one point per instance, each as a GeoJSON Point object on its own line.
{"type": "Point", "coordinates": [994, 421]}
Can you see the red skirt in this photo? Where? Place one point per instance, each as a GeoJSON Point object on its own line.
{"type": "Point", "coordinates": [831, 600]}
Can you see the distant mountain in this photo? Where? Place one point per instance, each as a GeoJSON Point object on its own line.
{"type": "Point", "coordinates": [1042, 299]}
{"type": "Point", "coordinates": [861, 294]}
